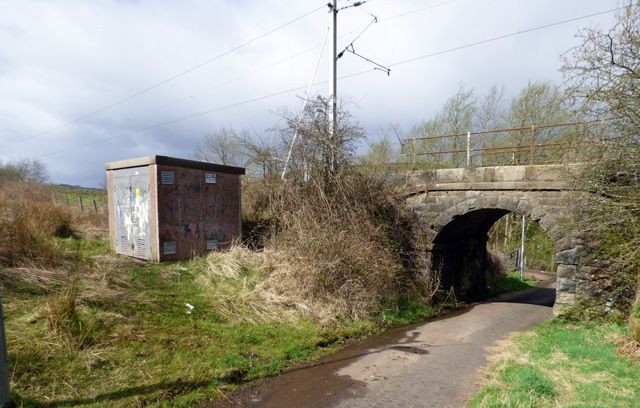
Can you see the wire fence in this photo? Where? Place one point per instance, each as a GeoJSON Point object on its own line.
{"type": "Point", "coordinates": [84, 202]}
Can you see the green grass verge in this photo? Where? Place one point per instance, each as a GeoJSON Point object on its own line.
{"type": "Point", "coordinates": [512, 282]}
{"type": "Point", "coordinates": [140, 347]}
{"type": "Point", "coordinates": [561, 364]}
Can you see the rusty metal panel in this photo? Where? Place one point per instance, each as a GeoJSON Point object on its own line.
{"type": "Point", "coordinates": [199, 212]}
{"type": "Point", "coordinates": [132, 212]}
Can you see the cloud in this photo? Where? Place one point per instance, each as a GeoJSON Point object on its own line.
{"type": "Point", "coordinates": [61, 60]}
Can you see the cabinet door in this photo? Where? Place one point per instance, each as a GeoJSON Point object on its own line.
{"type": "Point", "coordinates": [140, 226]}
{"type": "Point", "coordinates": [132, 196]}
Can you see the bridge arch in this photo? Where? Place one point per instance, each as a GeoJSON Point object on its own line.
{"type": "Point", "coordinates": [459, 237]}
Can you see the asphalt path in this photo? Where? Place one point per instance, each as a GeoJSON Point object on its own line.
{"type": "Point", "coordinates": [432, 364]}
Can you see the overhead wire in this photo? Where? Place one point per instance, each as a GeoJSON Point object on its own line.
{"type": "Point", "coordinates": [176, 76]}
{"type": "Point", "coordinates": [502, 37]}
{"type": "Point", "coordinates": [231, 80]}
{"type": "Point", "coordinates": [355, 74]}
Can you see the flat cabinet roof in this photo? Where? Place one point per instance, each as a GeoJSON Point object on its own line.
{"type": "Point", "coordinates": [173, 161]}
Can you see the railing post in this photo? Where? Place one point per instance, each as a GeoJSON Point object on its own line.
{"type": "Point", "coordinates": [468, 150]}
{"type": "Point", "coordinates": [532, 149]}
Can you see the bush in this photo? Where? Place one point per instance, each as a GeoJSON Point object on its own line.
{"type": "Point", "coordinates": [348, 245]}
{"type": "Point", "coordinates": [29, 219]}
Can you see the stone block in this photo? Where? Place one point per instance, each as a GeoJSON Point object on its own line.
{"type": "Point", "coordinates": [490, 201]}
{"type": "Point", "coordinates": [507, 203]}
{"type": "Point", "coordinates": [510, 173]}
{"type": "Point", "coordinates": [418, 207]}
{"type": "Point", "coordinates": [566, 271]}
{"type": "Point", "coordinates": [467, 206]}
{"type": "Point", "coordinates": [524, 206]}
{"type": "Point", "coordinates": [564, 304]}
{"type": "Point", "coordinates": [449, 175]}
{"type": "Point", "coordinates": [415, 199]}
{"type": "Point", "coordinates": [537, 212]}
{"type": "Point", "coordinates": [569, 256]}
{"type": "Point", "coordinates": [566, 285]}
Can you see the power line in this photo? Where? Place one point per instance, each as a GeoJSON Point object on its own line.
{"type": "Point", "coordinates": [283, 92]}
{"type": "Point", "coordinates": [482, 42]}
{"type": "Point", "coordinates": [502, 37]}
{"type": "Point", "coordinates": [231, 80]}
{"type": "Point", "coordinates": [181, 118]}
{"type": "Point", "coordinates": [176, 76]}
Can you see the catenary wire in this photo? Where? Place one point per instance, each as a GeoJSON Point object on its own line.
{"type": "Point", "coordinates": [287, 91]}
{"type": "Point", "coordinates": [229, 81]}
{"type": "Point", "coordinates": [176, 76]}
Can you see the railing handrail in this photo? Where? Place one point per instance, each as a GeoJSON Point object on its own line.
{"type": "Point", "coordinates": [514, 129]}
{"type": "Point", "coordinates": [531, 145]}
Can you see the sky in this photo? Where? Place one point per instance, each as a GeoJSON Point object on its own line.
{"type": "Point", "coordinates": [83, 83]}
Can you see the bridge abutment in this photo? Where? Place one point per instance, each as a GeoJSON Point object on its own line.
{"type": "Point", "coordinates": [457, 207]}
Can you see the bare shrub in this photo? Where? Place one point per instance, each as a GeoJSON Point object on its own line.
{"type": "Point", "coordinates": [30, 218]}
{"type": "Point", "coordinates": [350, 248]}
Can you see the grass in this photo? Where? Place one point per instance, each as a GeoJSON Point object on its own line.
{"type": "Point", "coordinates": [561, 364]}
{"type": "Point", "coordinates": [118, 334]}
{"type": "Point", "coordinates": [511, 282]}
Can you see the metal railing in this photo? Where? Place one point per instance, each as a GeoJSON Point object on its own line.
{"type": "Point", "coordinates": [465, 148]}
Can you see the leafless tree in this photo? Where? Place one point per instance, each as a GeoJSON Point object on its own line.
{"type": "Point", "coordinates": [604, 77]}
{"type": "Point", "coordinates": [32, 170]}
{"type": "Point", "coordinates": [223, 146]}
{"type": "Point", "coordinates": [456, 116]}
{"type": "Point", "coordinates": [317, 153]}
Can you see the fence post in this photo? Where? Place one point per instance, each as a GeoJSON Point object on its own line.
{"type": "Point", "coordinates": [413, 164]}
{"type": "Point", "coordinates": [66, 197]}
{"type": "Point", "coordinates": [468, 150]}
{"type": "Point", "coordinates": [532, 150]}
{"type": "Point", "coordinates": [81, 205]}
{"type": "Point", "coordinates": [95, 206]}
{"type": "Point", "coordinates": [55, 197]}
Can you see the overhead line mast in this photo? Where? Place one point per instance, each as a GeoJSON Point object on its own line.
{"type": "Point", "coordinates": [333, 77]}
{"type": "Point", "coordinates": [333, 69]}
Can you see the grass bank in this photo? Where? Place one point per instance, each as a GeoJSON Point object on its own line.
{"type": "Point", "coordinates": [118, 332]}
{"type": "Point", "coordinates": [562, 364]}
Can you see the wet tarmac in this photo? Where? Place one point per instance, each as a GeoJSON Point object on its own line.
{"type": "Point", "coordinates": [427, 364]}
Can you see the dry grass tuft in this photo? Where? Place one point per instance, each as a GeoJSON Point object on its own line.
{"type": "Point", "coordinates": [104, 280]}
{"type": "Point", "coordinates": [28, 221]}
{"type": "Point", "coordinates": [63, 321]}
{"type": "Point", "coordinates": [238, 280]}
{"type": "Point", "coordinates": [33, 278]}
{"type": "Point", "coordinates": [628, 348]}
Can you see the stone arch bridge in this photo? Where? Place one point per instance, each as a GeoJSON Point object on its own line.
{"type": "Point", "coordinates": [457, 207]}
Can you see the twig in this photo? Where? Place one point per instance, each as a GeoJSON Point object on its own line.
{"type": "Point", "coordinates": [225, 397]}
